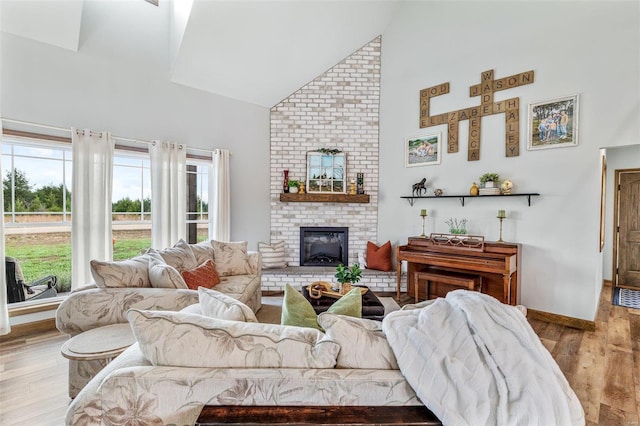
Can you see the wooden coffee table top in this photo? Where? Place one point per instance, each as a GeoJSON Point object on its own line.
{"type": "Point", "coordinates": [316, 415]}
{"type": "Point", "coordinates": [99, 343]}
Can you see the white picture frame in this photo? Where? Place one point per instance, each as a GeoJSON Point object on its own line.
{"type": "Point", "coordinates": [424, 150]}
{"type": "Point", "coordinates": [553, 123]}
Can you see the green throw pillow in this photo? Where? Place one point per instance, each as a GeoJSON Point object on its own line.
{"type": "Point", "coordinates": [296, 310]}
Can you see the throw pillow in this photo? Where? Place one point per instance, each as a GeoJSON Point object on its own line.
{"type": "Point", "coordinates": [296, 310]}
{"type": "Point", "coordinates": [218, 305]}
{"type": "Point", "coordinates": [379, 257]}
{"type": "Point", "coordinates": [202, 251]}
{"type": "Point", "coordinates": [363, 343]}
{"type": "Point", "coordinates": [180, 256]}
{"type": "Point", "coordinates": [132, 272]}
{"type": "Point", "coordinates": [192, 309]}
{"type": "Point", "coordinates": [162, 275]}
{"type": "Point", "coordinates": [272, 255]}
{"type": "Point", "coordinates": [231, 258]}
{"type": "Point", "coordinates": [204, 275]}
{"type": "Point", "coordinates": [189, 340]}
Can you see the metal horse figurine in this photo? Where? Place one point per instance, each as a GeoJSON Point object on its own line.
{"type": "Point", "coordinates": [418, 187]}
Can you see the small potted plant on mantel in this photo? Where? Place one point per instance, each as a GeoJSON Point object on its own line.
{"type": "Point", "coordinates": [489, 180]}
{"type": "Point", "coordinates": [347, 276]}
{"type": "Point", "coordinates": [293, 186]}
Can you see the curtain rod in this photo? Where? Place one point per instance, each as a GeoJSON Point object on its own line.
{"type": "Point", "coordinates": [64, 129]}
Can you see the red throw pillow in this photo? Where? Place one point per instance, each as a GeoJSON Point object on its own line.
{"type": "Point", "coordinates": [204, 275]}
{"type": "Point", "coordinates": [379, 257]}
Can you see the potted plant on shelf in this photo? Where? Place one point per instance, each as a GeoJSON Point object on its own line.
{"type": "Point", "coordinates": [347, 276]}
{"type": "Point", "coordinates": [489, 180]}
{"type": "Point", "coordinates": [293, 186]}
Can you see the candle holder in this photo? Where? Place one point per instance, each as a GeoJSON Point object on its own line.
{"type": "Point", "coordinates": [423, 214]}
{"type": "Point", "coordinates": [502, 217]}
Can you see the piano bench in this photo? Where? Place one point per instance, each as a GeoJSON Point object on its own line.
{"type": "Point", "coordinates": [456, 279]}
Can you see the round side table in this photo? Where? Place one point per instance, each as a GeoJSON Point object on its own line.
{"type": "Point", "coordinates": [90, 351]}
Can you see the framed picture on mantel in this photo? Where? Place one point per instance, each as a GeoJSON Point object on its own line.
{"type": "Point", "coordinates": [422, 150]}
{"type": "Point", "coordinates": [553, 123]}
{"type": "Point", "coordinates": [326, 172]}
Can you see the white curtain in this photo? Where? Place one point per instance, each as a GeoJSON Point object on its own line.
{"type": "Point", "coordinates": [168, 193]}
{"type": "Point", "coordinates": [220, 197]}
{"type": "Point", "coordinates": [5, 327]}
{"type": "Point", "coordinates": [90, 202]}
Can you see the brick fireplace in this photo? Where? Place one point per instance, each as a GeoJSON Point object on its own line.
{"type": "Point", "coordinates": [339, 109]}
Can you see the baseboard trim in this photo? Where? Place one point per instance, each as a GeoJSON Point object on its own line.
{"type": "Point", "coordinates": [34, 308]}
{"type": "Point", "coordinates": [607, 283]}
{"type": "Point", "coordinates": [26, 329]}
{"type": "Point", "coordinates": [561, 320]}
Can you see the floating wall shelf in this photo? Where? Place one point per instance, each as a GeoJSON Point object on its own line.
{"type": "Point", "coordinates": [323, 198]}
{"type": "Point", "coordinates": [462, 197]}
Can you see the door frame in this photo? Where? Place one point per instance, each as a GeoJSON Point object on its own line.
{"type": "Point", "coordinates": [616, 221]}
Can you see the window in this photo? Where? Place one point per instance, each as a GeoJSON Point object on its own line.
{"type": "Point", "coordinates": [131, 204]}
{"type": "Point", "coordinates": [37, 208]}
{"type": "Point", "coordinates": [37, 178]}
{"type": "Point", "coordinates": [197, 201]}
{"type": "Point", "coordinates": [326, 172]}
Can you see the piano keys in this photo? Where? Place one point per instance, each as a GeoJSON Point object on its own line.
{"type": "Point", "coordinates": [496, 263]}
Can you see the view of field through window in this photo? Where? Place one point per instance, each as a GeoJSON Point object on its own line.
{"type": "Point", "coordinates": [37, 206]}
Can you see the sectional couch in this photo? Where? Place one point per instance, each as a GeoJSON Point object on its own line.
{"type": "Point", "coordinates": [121, 285]}
{"type": "Point", "coordinates": [186, 360]}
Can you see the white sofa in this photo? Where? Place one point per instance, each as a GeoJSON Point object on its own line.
{"type": "Point", "coordinates": [462, 356]}
{"type": "Point", "coordinates": [171, 373]}
{"type": "Point", "coordinates": [96, 305]}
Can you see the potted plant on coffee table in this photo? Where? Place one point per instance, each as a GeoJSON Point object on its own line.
{"type": "Point", "coordinates": [347, 276]}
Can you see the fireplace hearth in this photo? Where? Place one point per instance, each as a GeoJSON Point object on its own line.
{"type": "Point", "coordinates": [324, 246]}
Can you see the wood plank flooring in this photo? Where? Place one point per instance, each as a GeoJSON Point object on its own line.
{"type": "Point", "coordinates": [602, 366]}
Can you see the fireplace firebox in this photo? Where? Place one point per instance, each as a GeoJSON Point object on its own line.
{"type": "Point", "coordinates": [324, 246]}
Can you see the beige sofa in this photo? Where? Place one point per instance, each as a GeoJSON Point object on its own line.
{"type": "Point", "coordinates": [184, 361]}
{"type": "Point", "coordinates": [462, 356]}
{"type": "Point", "coordinates": [123, 285]}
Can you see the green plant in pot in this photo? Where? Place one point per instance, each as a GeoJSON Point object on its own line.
{"type": "Point", "coordinates": [457, 227]}
{"type": "Point", "coordinates": [294, 185]}
{"type": "Point", "coordinates": [347, 276]}
{"type": "Point", "coordinates": [489, 180]}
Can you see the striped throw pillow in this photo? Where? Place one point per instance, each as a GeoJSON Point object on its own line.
{"type": "Point", "coordinates": [272, 255]}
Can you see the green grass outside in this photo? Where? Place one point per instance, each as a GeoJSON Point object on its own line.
{"type": "Point", "coordinates": [38, 261]}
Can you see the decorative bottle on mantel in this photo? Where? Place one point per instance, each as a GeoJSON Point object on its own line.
{"type": "Point", "coordinates": [474, 190]}
{"type": "Point", "coordinates": [285, 185]}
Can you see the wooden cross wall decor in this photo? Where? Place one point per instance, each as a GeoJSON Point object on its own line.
{"type": "Point", "coordinates": [486, 89]}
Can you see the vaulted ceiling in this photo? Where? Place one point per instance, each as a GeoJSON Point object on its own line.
{"type": "Point", "coordinates": [256, 51]}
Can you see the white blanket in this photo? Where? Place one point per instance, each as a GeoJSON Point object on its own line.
{"type": "Point", "coordinates": [475, 361]}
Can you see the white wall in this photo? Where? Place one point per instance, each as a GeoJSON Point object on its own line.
{"type": "Point", "coordinates": [573, 47]}
{"type": "Point", "coordinates": [130, 95]}
{"type": "Point", "coordinates": [618, 158]}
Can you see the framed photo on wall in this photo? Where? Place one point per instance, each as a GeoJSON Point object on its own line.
{"type": "Point", "coordinates": [423, 150]}
{"type": "Point", "coordinates": [553, 123]}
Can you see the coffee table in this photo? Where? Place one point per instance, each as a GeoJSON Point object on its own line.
{"type": "Point", "coordinates": [316, 415]}
{"type": "Point", "coordinates": [372, 308]}
{"type": "Point", "coordinates": [90, 351]}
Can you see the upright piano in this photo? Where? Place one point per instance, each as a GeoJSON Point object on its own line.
{"type": "Point", "coordinates": [497, 263]}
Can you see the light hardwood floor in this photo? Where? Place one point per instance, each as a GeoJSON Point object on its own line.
{"type": "Point", "coordinates": [602, 366]}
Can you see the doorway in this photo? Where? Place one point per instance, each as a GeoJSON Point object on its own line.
{"type": "Point", "coordinates": [626, 229]}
